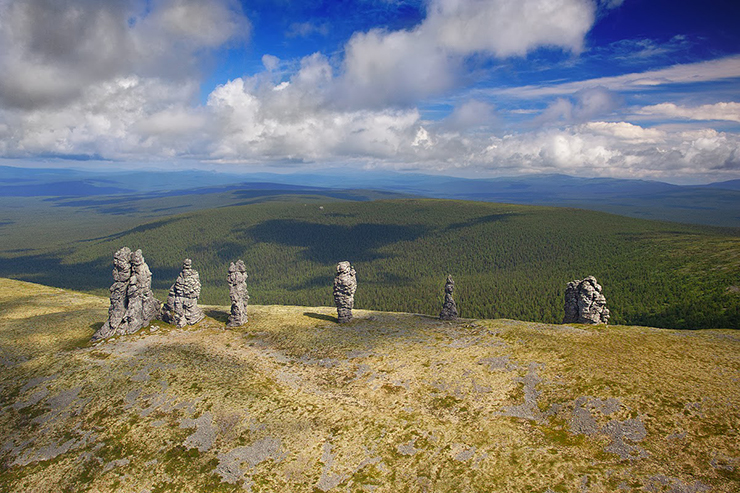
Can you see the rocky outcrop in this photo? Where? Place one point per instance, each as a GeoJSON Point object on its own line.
{"type": "Point", "coordinates": [132, 303]}
{"type": "Point", "coordinates": [345, 285]}
{"type": "Point", "coordinates": [449, 308]}
{"type": "Point", "coordinates": [238, 293]}
{"type": "Point", "coordinates": [584, 303]}
{"type": "Point", "coordinates": [182, 307]}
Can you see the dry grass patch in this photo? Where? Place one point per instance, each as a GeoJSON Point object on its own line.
{"type": "Point", "coordinates": [390, 402]}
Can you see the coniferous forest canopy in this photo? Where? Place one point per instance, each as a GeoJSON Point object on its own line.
{"type": "Point", "coordinates": [508, 261]}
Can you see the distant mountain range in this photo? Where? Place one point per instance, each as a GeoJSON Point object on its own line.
{"type": "Point", "coordinates": [716, 204]}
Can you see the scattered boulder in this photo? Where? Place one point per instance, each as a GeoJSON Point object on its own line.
{"type": "Point", "coordinates": [584, 303]}
{"type": "Point", "coordinates": [182, 307]}
{"type": "Point", "coordinates": [238, 293]}
{"type": "Point", "coordinates": [449, 308]}
{"type": "Point", "coordinates": [345, 285]}
{"type": "Point", "coordinates": [132, 303]}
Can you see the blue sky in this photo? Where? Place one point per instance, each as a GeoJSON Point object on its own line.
{"type": "Point", "coordinates": [632, 89]}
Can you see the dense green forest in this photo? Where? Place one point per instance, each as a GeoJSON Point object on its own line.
{"type": "Point", "coordinates": [508, 261]}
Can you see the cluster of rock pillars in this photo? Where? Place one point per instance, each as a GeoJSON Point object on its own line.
{"type": "Point", "coordinates": [133, 305]}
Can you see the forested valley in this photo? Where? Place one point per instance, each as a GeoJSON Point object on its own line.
{"type": "Point", "coordinates": [508, 261]}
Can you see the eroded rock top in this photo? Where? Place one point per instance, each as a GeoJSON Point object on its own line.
{"type": "Point", "coordinates": [585, 302]}
{"type": "Point", "coordinates": [182, 307]}
{"type": "Point", "coordinates": [345, 285]}
{"type": "Point", "coordinates": [132, 303]}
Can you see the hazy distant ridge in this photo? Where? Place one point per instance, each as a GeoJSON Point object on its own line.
{"type": "Point", "coordinates": [716, 204]}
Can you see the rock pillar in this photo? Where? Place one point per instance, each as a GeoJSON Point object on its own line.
{"type": "Point", "coordinates": [182, 307]}
{"type": "Point", "coordinates": [449, 308]}
{"type": "Point", "coordinates": [238, 293]}
{"type": "Point", "coordinates": [585, 303]}
{"type": "Point", "coordinates": [345, 285]}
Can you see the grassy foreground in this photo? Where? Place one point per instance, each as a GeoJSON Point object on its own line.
{"type": "Point", "coordinates": [391, 402]}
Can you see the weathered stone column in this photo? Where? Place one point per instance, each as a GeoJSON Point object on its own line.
{"type": "Point", "coordinates": [585, 303]}
{"type": "Point", "coordinates": [132, 303]}
{"type": "Point", "coordinates": [182, 307]}
{"type": "Point", "coordinates": [238, 293]}
{"type": "Point", "coordinates": [345, 285]}
{"type": "Point", "coordinates": [449, 308]}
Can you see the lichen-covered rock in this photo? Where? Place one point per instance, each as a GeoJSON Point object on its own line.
{"type": "Point", "coordinates": [182, 307]}
{"type": "Point", "coordinates": [449, 308]}
{"type": "Point", "coordinates": [132, 303]}
{"type": "Point", "coordinates": [584, 303]}
{"type": "Point", "coordinates": [345, 285]}
{"type": "Point", "coordinates": [238, 293]}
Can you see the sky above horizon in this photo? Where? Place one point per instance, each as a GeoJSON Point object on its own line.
{"type": "Point", "coordinates": [646, 89]}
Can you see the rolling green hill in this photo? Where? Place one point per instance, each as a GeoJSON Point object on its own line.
{"type": "Point", "coordinates": [40, 223]}
{"type": "Point", "coordinates": [508, 261]}
{"type": "Point", "coordinates": [293, 402]}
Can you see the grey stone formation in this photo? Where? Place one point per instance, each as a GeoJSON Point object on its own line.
{"type": "Point", "coordinates": [132, 303]}
{"type": "Point", "coordinates": [449, 308]}
{"type": "Point", "coordinates": [584, 303]}
{"type": "Point", "coordinates": [238, 293]}
{"type": "Point", "coordinates": [182, 307]}
{"type": "Point", "coordinates": [345, 285]}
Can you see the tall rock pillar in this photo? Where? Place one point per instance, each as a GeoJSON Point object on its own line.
{"type": "Point", "coordinates": [238, 293]}
{"type": "Point", "coordinates": [449, 308]}
{"type": "Point", "coordinates": [132, 303]}
{"type": "Point", "coordinates": [585, 303]}
{"type": "Point", "coordinates": [182, 307]}
{"type": "Point", "coordinates": [345, 285]}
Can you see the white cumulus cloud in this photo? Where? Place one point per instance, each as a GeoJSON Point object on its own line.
{"type": "Point", "coordinates": [509, 27]}
{"type": "Point", "coordinates": [729, 111]}
{"type": "Point", "coordinates": [256, 122]}
{"type": "Point", "coordinates": [402, 67]}
{"type": "Point", "coordinates": [615, 149]}
{"type": "Point", "coordinates": [471, 114]}
{"type": "Point", "coordinates": [584, 105]}
{"type": "Point", "coordinates": [625, 132]}
{"type": "Point", "coordinates": [53, 51]}
{"type": "Point", "coordinates": [128, 89]}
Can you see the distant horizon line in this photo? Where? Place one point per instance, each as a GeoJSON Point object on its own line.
{"type": "Point", "coordinates": [334, 170]}
{"type": "Point", "coordinates": [234, 169]}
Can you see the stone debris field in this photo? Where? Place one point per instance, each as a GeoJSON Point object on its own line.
{"type": "Point", "coordinates": [293, 401]}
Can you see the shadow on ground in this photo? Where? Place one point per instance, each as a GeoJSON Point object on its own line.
{"type": "Point", "coordinates": [320, 316]}
{"type": "Point", "coordinates": [218, 315]}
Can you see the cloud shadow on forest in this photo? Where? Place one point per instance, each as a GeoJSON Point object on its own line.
{"type": "Point", "coordinates": [330, 243]}
{"type": "Point", "coordinates": [138, 229]}
{"type": "Point", "coordinates": [480, 220]}
{"type": "Point", "coordinates": [50, 270]}
{"type": "Point", "coordinates": [354, 196]}
{"type": "Point", "coordinates": [314, 282]}
{"type": "Point", "coordinates": [95, 274]}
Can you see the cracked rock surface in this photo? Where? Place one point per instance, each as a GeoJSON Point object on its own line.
{"type": "Point", "coordinates": [585, 303]}
{"type": "Point", "coordinates": [132, 303]}
{"type": "Point", "coordinates": [449, 308]}
{"type": "Point", "coordinates": [345, 285]}
{"type": "Point", "coordinates": [182, 308]}
{"type": "Point", "coordinates": [238, 294]}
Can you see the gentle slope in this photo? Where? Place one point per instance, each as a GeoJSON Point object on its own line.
{"type": "Point", "coordinates": [390, 402]}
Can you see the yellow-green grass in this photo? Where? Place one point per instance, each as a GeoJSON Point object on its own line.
{"type": "Point", "coordinates": [390, 402]}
